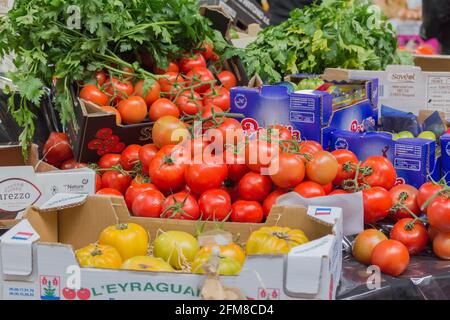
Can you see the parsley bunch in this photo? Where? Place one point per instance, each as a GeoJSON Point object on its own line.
{"type": "Point", "coordinates": [69, 40]}
{"type": "Point", "coordinates": [350, 34]}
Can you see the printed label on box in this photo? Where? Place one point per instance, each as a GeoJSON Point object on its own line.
{"type": "Point", "coordinates": [438, 94]}
{"type": "Point", "coordinates": [16, 194]}
{"type": "Point", "coordinates": [50, 287]}
{"type": "Point", "coordinates": [407, 164]}
{"type": "Point", "coordinates": [18, 291]}
{"type": "Point", "coordinates": [409, 151]}
{"type": "Point", "coordinates": [304, 117]}
{"type": "Point", "coordinates": [268, 294]}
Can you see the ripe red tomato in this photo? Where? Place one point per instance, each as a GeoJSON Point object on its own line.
{"type": "Point", "coordinates": [109, 160]}
{"type": "Point", "coordinates": [200, 79]}
{"type": "Point", "coordinates": [189, 103]}
{"type": "Point", "coordinates": [322, 167]}
{"type": "Point", "coordinates": [441, 245]}
{"type": "Point", "coordinates": [148, 204]}
{"type": "Point", "coordinates": [171, 83]}
{"type": "Point", "coordinates": [426, 191]}
{"type": "Point", "coordinates": [118, 89]}
{"type": "Point", "coordinates": [290, 172]}
{"type": "Point", "coordinates": [413, 235]}
{"type": "Point", "coordinates": [182, 206]}
{"type": "Point", "coordinates": [247, 211]}
{"type": "Point", "coordinates": [383, 172]}
{"type": "Point", "coordinates": [328, 188]}
{"type": "Point", "coordinates": [309, 148]}
{"type": "Point", "coordinates": [439, 213]}
{"type": "Point", "coordinates": [163, 107]}
{"type": "Point", "coordinates": [93, 94]}
{"type": "Point", "coordinates": [68, 164]}
{"type": "Point", "coordinates": [208, 113]}
{"type": "Point", "coordinates": [217, 96]}
{"type": "Point", "coordinates": [259, 154]}
{"type": "Point", "coordinates": [140, 179]}
{"type": "Point", "coordinates": [151, 94]}
{"type": "Point", "coordinates": [391, 256]}
{"type": "Point", "coordinates": [227, 79]}
{"type": "Point", "coordinates": [100, 77]}
{"type": "Point", "coordinates": [188, 63]}
{"type": "Point", "coordinates": [132, 110]}
{"type": "Point", "coordinates": [254, 187]}
{"type": "Point", "coordinates": [206, 175]}
{"type": "Point", "coordinates": [406, 195]}
{"type": "Point", "coordinates": [146, 155]}
{"type": "Point", "coordinates": [133, 191]}
{"type": "Point", "coordinates": [109, 192]}
{"type": "Point", "coordinates": [377, 203]}
{"type": "Point", "coordinates": [172, 67]}
{"type": "Point", "coordinates": [169, 130]}
{"type": "Point", "coordinates": [130, 156]}
{"type": "Point", "coordinates": [167, 169]}
{"type": "Point", "coordinates": [98, 182]}
{"type": "Point", "coordinates": [271, 200]}
{"type": "Point", "coordinates": [336, 192]}
{"type": "Point", "coordinates": [215, 205]}
{"type": "Point", "coordinates": [116, 180]}
{"type": "Point", "coordinates": [346, 160]}
{"type": "Point", "coordinates": [206, 50]}
{"type": "Point", "coordinates": [229, 130]}
{"type": "Point", "coordinates": [57, 149]}
{"type": "Point", "coordinates": [310, 189]}
{"type": "Point", "coordinates": [236, 165]}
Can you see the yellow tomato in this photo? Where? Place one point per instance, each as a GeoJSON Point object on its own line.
{"type": "Point", "coordinates": [274, 240]}
{"type": "Point", "coordinates": [129, 239]}
{"type": "Point", "coordinates": [178, 248]}
{"type": "Point", "coordinates": [231, 250]}
{"type": "Point", "coordinates": [146, 263]}
{"type": "Point", "coordinates": [227, 266]}
{"type": "Point", "coordinates": [99, 256]}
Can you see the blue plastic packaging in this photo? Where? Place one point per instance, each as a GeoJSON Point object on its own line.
{"type": "Point", "coordinates": [445, 145]}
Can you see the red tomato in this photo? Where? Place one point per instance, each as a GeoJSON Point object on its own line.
{"type": "Point", "coordinates": [259, 154]}
{"type": "Point", "coordinates": [215, 205]}
{"type": "Point", "coordinates": [200, 79]}
{"type": "Point", "coordinates": [406, 195]}
{"type": "Point", "coordinates": [426, 191]}
{"type": "Point", "coordinates": [364, 244]}
{"type": "Point", "coordinates": [206, 175]}
{"type": "Point", "coordinates": [118, 89]}
{"type": "Point", "coordinates": [247, 211]}
{"type": "Point", "coordinates": [167, 169]}
{"type": "Point", "coordinates": [100, 77]}
{"type": "Point", "coordinates": [382, 174]}
{"type": "Point", "coordinates": [188, 63]}
{"type": "Point", "coordinates": [132, 110]}
{"type": "Point", "coordinates": [432, 232]}
{"type": "Point", "coordinates": [98, 182]}
{"type": "Point", "coordinates": [391, 256]}
{"type": "Point", "coordinates": [198, 147]}
{"type": "Point", "coordinates": [206, 50]}
{"type": "Point", "coordinates": [328, 188]}
{"type": "Point", "coordinates": [182, 206]}
{"type": "Point", "coordinates": [133, 191]}
{"type": "Point", "coordinates": [310, 189]}
{"type": "Point", "coordinates": [148, 204]}
{"type": "Point", "coordinates": [207, 112]}
{"type": "Point", "coordinates": [377, 203]}
{"type": "Point", "coordinates": [109, 192]}
{"type": "Point", "coordinates": [339, 191]}
{"type": "Point", "coordinates": [346, 160]}
{"type": "Point", "coordinates": [309, 148]}
{"type": "Point", "coordinates": [441, 245]}
{"type": "Point", "coordinates": [413, 235]}
{"type": "Point", "coordinates": [189, 103]}
{"type": "Point", "coordinates": [172, 67]}
{"type": "Point", "coordinates": [229, 129]}
{"type": "Point", "coordinates": [130, 156]}
{"type": "Point", "coordinates": [254, 187]}
{"type": "Point", "coordinates": [271, 200]}
{"type": "Point", "coordinates": [290, 172]}
{"type": "Point", "coordinates": [217, 96]}
{"type": "Point", "coordinates": [140, 179]}
{"type": "Point", "coordinates": [150, 94]}
{"type": "Point", "coordinates": [236, 165]}
{"type": "Point", "coordinates": [322, 168]}
{"type": "Point", "coordinates": [439, 213]}
{"type": "Point", "coordinates": [68, 164]}
{"type": "Point", "coordinates": [109, 160]}
{"type": "Point", "coordinates": [146, 155]}
{"type": "Point", "coordinates": [172, 83]}
{"type": "Point", "coordinates": [163, 107]}
{"type": "Point", "coordinates": [57, 149]}
{"type": "Point", "coordinates": [227, 79]}
{"type": "Point", "coordinates": [93, 94]}
{"type": "Point", "coordinates": [116, 180]}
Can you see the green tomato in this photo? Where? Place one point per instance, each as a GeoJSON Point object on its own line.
{"type": "Point", "coordinates": [176, 247]}
{"type": "Point", "coordinates": [427, 135]}
{"type": "Point", "coordinates": [405, 134]}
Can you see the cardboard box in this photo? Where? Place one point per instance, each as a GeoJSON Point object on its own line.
{"type": "Point", "coordinates": [445, 154]}
{"type": "Point", "coordinates": [433, 63]}
{"type": "Point", "coordinates": [310, 114]}
{"type": "Point", "coordinates": [411, 89]}
{"type": "Point", "coordinates": [245, 38]}
{"type": "Point", "coordinates": [40, 250]}
{"type": "Point", "coordinates": [33, 182]}
{"type": "Point", "coordinates": [414, 159]}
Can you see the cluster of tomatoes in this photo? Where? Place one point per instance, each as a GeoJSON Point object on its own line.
{"type": "Point", "coordinates": [185, 87]}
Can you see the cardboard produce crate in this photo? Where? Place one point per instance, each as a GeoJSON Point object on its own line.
{"type": "Point", "coordinates": [40, 250]}
{"type": "Point", "coordinates": [33, 182]}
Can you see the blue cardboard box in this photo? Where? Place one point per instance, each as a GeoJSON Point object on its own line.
{"type": "Point", "coordinates": [414, 159]}
{"type": "Point", "coordinates": [445, 154]}
{"type": "Point", "coordinates": [311, 113]}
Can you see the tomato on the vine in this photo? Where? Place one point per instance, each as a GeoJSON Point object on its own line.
{"type": "Point", "coordinates": [310, 189]}
{"type": "Point", "coordinates": [130, 156]}
{"type": "Point", "coordinates": [217, 96]}
{"type": "Point", "coordinates": [148, 203]}
{"type": "Point", "coordinates": [188, 63]}
{"type": "Point", "coordinates": [132, 110]}
{"type": "Point", "coordinates": [169, 130]}
{"type": "Point", "coordinates": [172, 67]}
{"type": "Point", "coordinates": [93, 94]}
{"type": "Point", "coordinates": [171, 83]}
{"type": "Point", "coordinates": [404, 195]}
{"type": "Point", "coordinates": [206, 50]}
{"type": "Point", "coordinates": [382, 172]}
{"type": "Point", "coordinates": [215, 205]}
{"type": "Point", "coordinates": [182, 206]}
{"type": "Point", "coordinates": [109, 160]}
{"type": "Point", "coordinates": [118, 89]}
{"type": "Point", "coordinates": [200, 79]}
{"type": "Point", "coordinates": [116, 180]}
{"type": "Point", "coordinates": [322, 167]}
{"type": "Point", "coordinates": [163, 107]}
{"type": "Point", "coordinates": [133, 191]}
{"type": "Point", "coordinates": [98, 182]}
{"type": "Point", "coordinates": [228, 79]}
{"type": "Point", "coordinates": [254, 187]}
{"type": "Point", "coordinates": [426, 191]}
{"type": "Point", "coordinates": [100, 77]}
{"type": "Point", "coordinates": [412, 234]}
{"type": "Point", "coordinates": [228, 129]}
{"type": "Point", "coordinates": [236, 164]}
{"type": "Point", "coordinates": [146, 155]}
{"type": "Point", "coordinates": [438, 213]}
{"type": "Point", "coordinates": [207, 175]}
{"type": "Point", "coordinates": [290, 172]}
{"type": "Point", "coordinates": [150, 94]}
{"type": "Point", "coordinates": [247, 211]}
{"type": "Point", "coordinates": [271, 200]}
{"type": "Point", "coordinates": [377, 204]}
{"type": "Point", "coordinates": [347, 161]}
{"type": "Point", "coordinates": [189, 103]}
{"type": "Point", "coordinates": [259, 154]}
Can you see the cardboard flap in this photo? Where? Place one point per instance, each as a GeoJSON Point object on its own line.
{"type": "Point", "coordinates": [62, 201]}
{"type": "Point", "coordinates": [335, 74]}
{"type": "Point", "coordinates": [305, 262]}
{"type": "Point", "coordinates": [17, 249]}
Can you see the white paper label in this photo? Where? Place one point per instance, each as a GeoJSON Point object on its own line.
{"type": "Point", "coordinates": [438, 94]}
{"type": "Point", "coordinates": [16, 194]}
